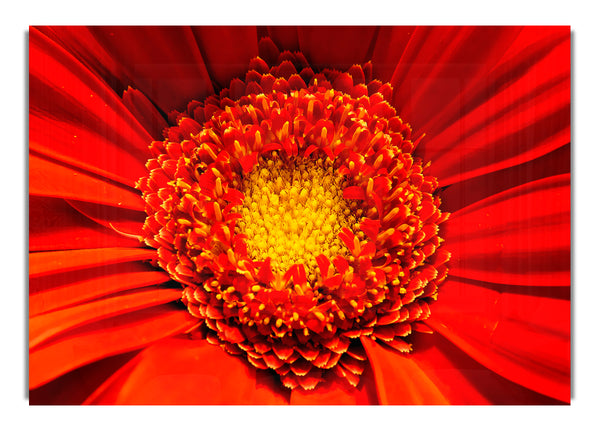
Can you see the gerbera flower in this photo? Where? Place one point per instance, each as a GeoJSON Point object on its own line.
{"type": "Point", "coordinates": [240, 215]}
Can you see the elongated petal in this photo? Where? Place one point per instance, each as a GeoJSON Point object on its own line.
{"type": "Point", "coordinates": [527, 115]}
{"type": "Point", "coordinates": [52, 179]}
{"type": "Point", "coordinates": [56, 225]}
{"type": "Point", "coordinates": [516, 51]}
{"type": "Point", "coordinates": [45, 326]}
{"type": "Point", "coordinates": [75, 386]}
{"type": "Point", "coordinates": [463, 380]}
{"type": "Point", "coordinates": [390, 45]}
{"type": "Point", "coordinates": [284, 37]}
{"type": "Point", "coordinates": [60, 290]}
{"type": "Point", "coordinates": [145, 112]}
{"type": "Point", "coordinates": [124, 221]}
{"type": "Point", "coordinates": [335, 47]}
{"type": "Point", "coordinates": [47, 263]}
{"type": "Point", "coordinates": [227, 50]}
{"type": "Point", "coordinates": [163, 62]}
{"type": "Point", "coordinates": [399, 380]}
{"type": "Point", "coordinates": [105, 338]}
{"type": "Point", "coordinates": [81, 43]}
{"type": "Point", "coordinates": [63, 89]}
{"type": "Point", "coordinates": [79, 147]}
{"type": "Point", "coordinates": [459, 195]}
{"type": "Point", "coordinates": [202, 374]}
{"type": "Point", "coordinates": [438, 72]}
{"type": "Point", "coordinates": [522, 337]}
{"type": "Point", "coordinates": [520, 236]}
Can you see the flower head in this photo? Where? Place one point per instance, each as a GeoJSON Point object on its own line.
{"type": "Point", "coordinates": [292, 210]}
{"type": "Point", "coordinates": [286, 213]}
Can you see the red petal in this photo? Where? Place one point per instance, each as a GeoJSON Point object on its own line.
{"type": "Point", "coordinates": [82, 44]}
{"type": "Point", "coordinates": [370, 227]}
{"type": "Point", "coordinates": [55, 225]}
{"type": "Point", "coordinates": [445, 69]}
{"type": "Point", "coordinates": [343, 83]}
{"type": "Point", "coordinates": [74, 387]}
{"type": "Point", "coordinates": [358, 75]}
{"type": "Point", "coordinates": [145, 112]}
{"type": "Point", "coordinates": [475, 189]}
{"type": "Point", "coordinates": [59, 261]}
{"type": "Point", "coordinates": [268, 51]}
{"type": "Point", "coordinates": [105, 338]}
{"type": "Point", "coordinates": [336, 391]}
{"type": "Point", "coordinates": [62, 88]}
{"type": "Point", "coordinates": [520, 236]}
{"type": "Point", "coordinates": [227, 50]}
{"type": "Point", "coordinates": [296, 82]}
{"type": "Point", "coordinates": [181, 371]}
{"type": "Point", "coordinates": [284, 37]}
{"type": "Point", "coordinates": [163, 62]}
{"type": "Point", "coordinates": [265, 274]}
{"type": "Point", "coordinates": [462, 380]}
{"type": "Point", "coordinates": [121, 220]}
{"type": "Point", "coordinates": [324, 264]}
{"type": "Point", "coordinates": [60, 290]}
{"type": "Point", "coordinates": [49, 178]}
{"type": "Point", "coordinates": [44, 326]}
{"type": "Point", "coordinates": [527, 118]}
{"type": "Point", "coordinates": [399, 380]}
{"type": "Point", "coordinates": [248, 162]}
{"type": "Point", "coordinates": [232, 334]}
{"type": "Point", "coordinates": [390, 45]}
{"type": "Point", "coordinates": [85, 149]}
{"type": "Point", "coordinates": [354, 192]}
{"type": "Point", "coordinates": [335, 47]}
{"type": "Point", "coordinates": [522, 336]}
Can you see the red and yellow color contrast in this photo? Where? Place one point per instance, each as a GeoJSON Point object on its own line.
{"type": "Point", "coordinates": [239, 215]}
{"type": "Point", "coordinates": [294, 214]}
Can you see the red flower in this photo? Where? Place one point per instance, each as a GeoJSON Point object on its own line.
{"type": "Point", "coordinates": [108, 326]}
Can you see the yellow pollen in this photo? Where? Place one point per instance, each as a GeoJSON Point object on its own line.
{"type": "Point", "coordinates": [293, 211]}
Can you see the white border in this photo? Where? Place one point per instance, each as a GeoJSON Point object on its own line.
{"type": "Point", "coordinates": [579, 14]}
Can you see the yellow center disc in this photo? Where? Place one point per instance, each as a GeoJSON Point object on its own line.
{"type": "Point", "coordinates": [293, 211]}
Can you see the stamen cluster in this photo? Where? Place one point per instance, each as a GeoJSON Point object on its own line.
{"type": "Point", "coordinates": [230, 185]}
{"type": "Point", "coordinates": [293, 211]}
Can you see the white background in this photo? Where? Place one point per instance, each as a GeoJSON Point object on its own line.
{"type": "Point", "coordinates": [580, 15]}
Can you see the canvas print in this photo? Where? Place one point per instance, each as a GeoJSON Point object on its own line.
{"type": "Point", "coordinates": [299, 215]}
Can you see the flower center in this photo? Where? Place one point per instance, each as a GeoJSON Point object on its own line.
{"type": "Point", "coordinates": [293, 211]}
{"type": "Point", "coordinates": [298, 222]}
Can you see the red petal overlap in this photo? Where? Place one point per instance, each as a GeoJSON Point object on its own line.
{"type": "Point", "coordinates": [63, 289]}
{"type": "Point", "coordinates": [163, 62]}
{"type": "Point", "coordinates": [45, 326]}
{"type": "Point", "coordinates": [226, 51]}
{"type": "Point", "coordinates": [63, 89]}
{"type": "Point", "coordinates": [56, 225]}
{"type": "Point", "coordinates": [78, 147]}
{"type": "Point", "coordinates": [104, 338]}
{"type": "Point", "coordinates": [52, 179]}
{"type": "Point", "coordinates": [53, 262]}
{"type": "Point", "coordinates": [339, 50]}
{"type": "Point", "coordinates": [201, 372]}
{"type": "Point", "coordinates": [462, 380]}
{"type": "Point", "coordinates": [521, 336]}
{"type": "Point", "coordinates": [520, 236]}
{"type": "Point", "coordinates": [398, 379]}
{"type": "Point", "coordinates": [528, 116]}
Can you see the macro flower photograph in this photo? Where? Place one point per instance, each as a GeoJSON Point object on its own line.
{"type": "Point", "coordinates": [317, 215]}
